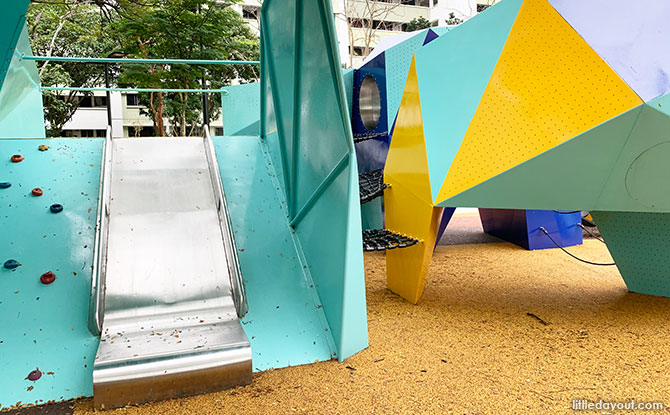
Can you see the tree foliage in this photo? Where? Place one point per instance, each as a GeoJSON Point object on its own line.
{"type": "Point", "coordinates": [418, 23]}
{"type": "Point", "coordinates": [67, 29]}
{"type": "Point", "coordinates": [167, 29]}
{"type": "Point", "coordinates": [184, 29]}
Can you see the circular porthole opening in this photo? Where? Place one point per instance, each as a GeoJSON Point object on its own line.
{"type": "Point", "coordinates": [369, 102]}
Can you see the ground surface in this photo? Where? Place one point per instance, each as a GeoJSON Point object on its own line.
{"type": "Point", "coordinates": [469, 346]}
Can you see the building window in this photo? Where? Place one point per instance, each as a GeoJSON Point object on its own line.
{"type": "Point", "coordinates": [133, 100]}
{"type": "Point", "coordinates": [218, 131]}
{"type": "Point", "coordinates": [89, 101]}
{"type": "Point", "coordinates": [85, 133]}
{"type": "Point", "coordinates": [250, 12]}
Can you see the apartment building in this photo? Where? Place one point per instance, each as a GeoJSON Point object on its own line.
{"type": "Point", "coordinates": [352, 21]}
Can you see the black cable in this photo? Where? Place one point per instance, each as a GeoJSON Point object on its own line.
{"type": "Point", "coordinates": [575, 257]}
{"type": "Point", "coordinates": [569, 212]}
{"type": "Point", "coordinates": [590, 233]}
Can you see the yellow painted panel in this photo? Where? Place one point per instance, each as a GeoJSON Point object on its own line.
{"type": "Point", "coordinates": [548, 86]}
{"type": "Point", "coordinates": [406, 268]}
{"type": "Point", "coordinates": [406, 161]}
{"type": "Point", "coordinates": [408, 202]}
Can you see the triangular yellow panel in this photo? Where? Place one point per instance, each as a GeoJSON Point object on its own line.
{"type": "Point", "coordinates": [406, 161]}
{"type": "Point", "coordinates": [548, 86]}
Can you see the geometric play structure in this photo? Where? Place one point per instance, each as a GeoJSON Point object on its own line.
{"type": "Point", "coordinates": [148, 268]}
{"type": "Point", "coordinates": [378, 90]}
{"type": "Point", "coordinates": [537, 104]}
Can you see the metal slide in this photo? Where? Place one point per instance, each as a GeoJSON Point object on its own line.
{"type": "Point", "coordinates": [167, 290]}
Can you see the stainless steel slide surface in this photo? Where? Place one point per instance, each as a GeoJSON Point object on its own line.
{"type": "Point", "coordinates": [170, 323]}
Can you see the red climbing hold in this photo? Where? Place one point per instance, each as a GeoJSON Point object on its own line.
{"type": "Point", "coordinates": [16, 158]}
{"type": "Point", "coordinates": [47, 278]}
{"type": "Point", "coordinates": [34, 375]}
{"type": "Point", "coordinates": [37, 192]}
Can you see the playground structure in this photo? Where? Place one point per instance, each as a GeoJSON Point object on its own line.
{"type": "Point", "coordinates": [537, 104]}
{"type": "Point", "coordinates": [156, 282]}
{"type": "Point", "coordinates": [527, 106]}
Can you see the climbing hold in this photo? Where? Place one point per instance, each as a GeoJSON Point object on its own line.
{"type": "Point", "coordinates": [34, 375]}
{"type": "Point", "coordinates": [11, 264]}
{"type": "Point", "coordinates": [56, 208]}
{"type": "Point", "coordinates": [37, 192]}
{"type": "Point", "coordinates": [16, 158]}
{"type": "Point", "coordinates": [43, 147]}
{"type": "Point", "coordinates": [47, 278]}
{"type": "Point", "coordinates": [5, 185]}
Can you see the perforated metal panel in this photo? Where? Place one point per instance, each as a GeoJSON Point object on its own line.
{"type": "Point", "coordinates": [398, 59]}
{"type": "Point", "coordinates": [548, 87]}
{"type": "Point", "coordinates": [639, 244]}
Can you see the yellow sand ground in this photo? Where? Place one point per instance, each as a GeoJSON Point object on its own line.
{"type": "Point", "coordinates": [469, 346]}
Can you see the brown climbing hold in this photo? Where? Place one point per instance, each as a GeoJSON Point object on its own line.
{"type": "Point", "coordinates": [47, 278]}
{"type": "Point", "coordinates": [34, 375]}
{"type": "Point", "coordinates": [17, 158]}
{"type": "Point", "coordinates": [43, 147]}
{"type": "Point", "coordinates": [37, 192]}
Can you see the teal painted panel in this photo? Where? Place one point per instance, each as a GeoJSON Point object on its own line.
{"type": "Point", "coordinates": [335, 261]}
{"type": "Point", "coordinates": [323, 139]}
{"type": "Point", "coordinates": [12, 20]}
{"type": "Point", "coordinates": [241, 109]}
{"type": "Point", "coordinates": [278, 67]}
{"type": "Point", "coordinates": [21, 110]}
{"type": "Point", "coordinates": [661, 104]}
{"type": "Point", "coordinates": [46, 326]}
{"type": "Point", "coordinates": [372, 215]}
{"type": "Point", "coordinates": [285, 323]}
{"type": "Point", "coordinates": [398, 59]}
{"type": "Point", "coordinates": [317, 166]}
{"type": "Point", "coordinates": [453, 72]}
{"type": "Point", "coordinates": [639, 179]}
{"type": "Point", "coordinates": [640, 246]}
{"type": "Point", "coordinates": [569, 176]}
{"type": "Point", "coordinates": [348, 78]}
{"type": "Point", "coordinates": [440, 30]}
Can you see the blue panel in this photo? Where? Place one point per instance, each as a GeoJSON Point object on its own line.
{"type": "Point", "coordinates": [463, 61]}
{"type": "Point", "coordinates": [430, 36]}
{"type": "Point", "coordinates": [563, 227]}
{"type": "Point", "coordinates": [506, 224]}
{"type": "Point", "coordinates": [241, 109]}
{"type": "Point", "coordinates": [376, 69]}
{"type": "Point", "coordinates": [522, 227]}
{"type": "Point", "coordinates": [21, 111]}
{"type": "Point", "coordinates": [447, 214]}
{"type": "Point", "coordinates": [285, 323]}
{"type": "Point", "coordinates": [46, 326]}
{"type": "Point", "coordinates": [630, 36]}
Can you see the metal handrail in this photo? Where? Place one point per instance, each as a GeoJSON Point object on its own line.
{"type": "Point", "coordinates": [97, 300]}
{"type": "Point", "coordinates": [239, 295]}
{"type": "Point", "coordinates": [101, 89]}
{"type": "Point", "coordinates": [137, 60]}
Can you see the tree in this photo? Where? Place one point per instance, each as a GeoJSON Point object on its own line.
{"type": "Point", "coordinates": [418, 23]}
{"type": "Point", "coordinates": [67, 28]}
{"type": "Point", "coordinates": [183, 29]}
{"type": "Point", "coordinates": [368, 15]}
{"type": "Point", "coordinates": [453, 20]}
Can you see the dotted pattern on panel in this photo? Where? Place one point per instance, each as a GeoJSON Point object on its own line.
{"type": "Point", "coordinates": [548, 87]}
{"type": "Point", "coordinates": [640, 246]}
{"type": "Point", "coordinates": [398, 59]}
